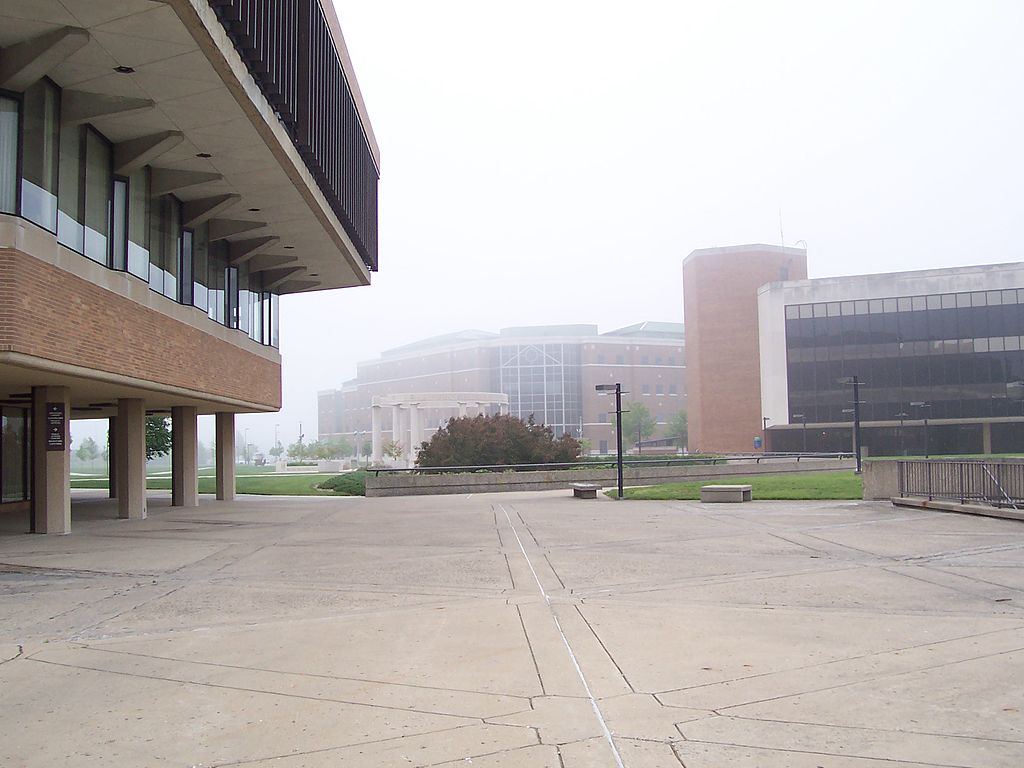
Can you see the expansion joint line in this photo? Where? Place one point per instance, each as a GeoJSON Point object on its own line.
{"type": "Point", "coordinates": [572, 656]}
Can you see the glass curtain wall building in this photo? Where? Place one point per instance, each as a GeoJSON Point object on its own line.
{"type": "Point", "coordinates": [542, 380]}
{"type": "Point", "coordinates": [929, 351]}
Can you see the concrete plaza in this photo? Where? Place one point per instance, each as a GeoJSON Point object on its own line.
{"type": "Point", "coordinates": [507, 630]}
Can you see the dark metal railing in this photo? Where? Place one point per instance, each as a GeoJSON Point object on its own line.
{"type": "Point", "coordinates": [997, 483]}
{"type": "Point", "coordinates": [609, 463]}
{"type": "Point", "coordinates": [289, 50]}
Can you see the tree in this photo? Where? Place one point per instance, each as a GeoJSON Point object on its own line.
{"type": "Point", "coordinates": [637, 424]}
{"type": "Point", "coordinates": [393, 449]}
{"type": "Point", "coordinates": [158, 436]}
{"type": "Point", "coordinates": [88, 451]}
{"type": "Point", "coordinates": [332, 448]}
{"type": "Point", "coordinates": [498, 439]}
{"type": "Point", "coordinates": [679, 428]}
{"type": "Point", "coordinates": [298, 450]}
{"type": "Point", "coordinates": [277, 450]}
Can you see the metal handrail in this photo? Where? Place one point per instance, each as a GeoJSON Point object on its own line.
{"type": "Point", "coordinates": [996, 483]}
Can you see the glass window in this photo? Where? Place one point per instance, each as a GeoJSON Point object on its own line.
{"type": "Point", "coordinates": [994, 298]}
{"type": "Point", "coordinates": [806, 311]}
{"type": "Point", "coordinates": [875, 306]}
{"type": "Point", "coordinates": [818, 310]}
{"type": "Point", "coordinates": [919, 303]}
{"type": "Point", "coordinates": [69, 198]}
{"type": "Point", "coordinates": [185, 267]}
{"type": "Point", "coordinates": [200, 270]}
{"type": "Point", "coordinates": [848, 308]}
{"type": "Point", "coordinates": [98, 186]}
{"type": "Point", "coordinates": [646, 389]}
{"type": "Point", "coordinates": [172, 246]}
{"type": "Point", "coordinates": [832, 309]}
{"type": "Point", "coordinates": [903, 304]}
{"type": "Point", "coordinates": [888, 305]}
{"type": "Point", "coordinates": [963, 300]}
{"type": "Point", "coordinates": [8, 154]}
{"type": "Point", "coordinates": [40, 149]}
{"type": "Point", "coordinates": [275, 319]}
{"type": "Point", "coordinates": [119, 226]}
{"type": "Point", "coordinates": [13, 454]}
{"type": "Point", "coordinates": [792, 312]}
{"type": "Point", "coordinates": [218, 262]}
{"type": "Point", "coordinates": [659, 389]}
{"type": "Point", "coordinates": [949, 301]}
{"type": "Point", "coordinates": [618, 359]}
{"type": "Point", "coordinates": [934, 302]}
{"type": "Point", "coordinates": [978, 299]}
{"type": "Point", "coordinates": [244, 299]}
{"type": "Point", "coordinates": [138, 223]}
{"type": "Point", "coordinates": [860, 307]}
{"type": "Point", "coordinates": [231, 297]}
{"type": "Point", "coordinates": [672, 389]}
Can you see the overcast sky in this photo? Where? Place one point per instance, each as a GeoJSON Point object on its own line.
{"type": "Point", "coordinates": [554, 162]}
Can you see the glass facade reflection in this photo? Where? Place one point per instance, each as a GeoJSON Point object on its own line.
{"type": "Point", "coordinates": [14, 450]}
{"type": "Point", "coordinates": [961, 353]}
{"type": "Point", "coordinates": [543, 381]}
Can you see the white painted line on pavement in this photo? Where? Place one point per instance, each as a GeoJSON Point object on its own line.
{"type": "Point", "coordinates": [565, 640]}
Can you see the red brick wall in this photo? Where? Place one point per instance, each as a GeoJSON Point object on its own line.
{"type": "Point", "coordinates": [52, 314]}
{"type": "Point", "coordinates": [722, 353]}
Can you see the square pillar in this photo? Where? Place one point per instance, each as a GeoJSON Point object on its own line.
{"type": "Point", "coordinates": [184, 456]}
{"type": "Point", "coordinates": [111, 454]}
{"type": "Point", "coordinates": [130, 458]}
{"type": "Point", "coordinates": [986, 437]}
{"type": "Point", "coordinates": [376, 442]}
{"type": "Point", "coordinates": [225, 456]}
{"type": "Point", "coordinates": [51, 469]}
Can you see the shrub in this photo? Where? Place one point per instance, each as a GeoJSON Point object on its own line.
{"type": "Point", "coordinates": [348, 484]}
{"type": "Point", "coordinates": [486, 440]}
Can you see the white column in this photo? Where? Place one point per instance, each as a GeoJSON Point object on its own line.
{"type": "Point", "coordinates": [378, 451]}
{"type": "Point", "coordinates": [51, 468]}
{"type": "Point", "coordinates": [396, 423]}
{"type": "Point", "coordinates": [462, 409]}
{"type": "Point", "coordinates": [414, 431]}
{"type": "Point", "coordinates": [131, 458]}
{"type": "Point", "coordinates": [503, 409]}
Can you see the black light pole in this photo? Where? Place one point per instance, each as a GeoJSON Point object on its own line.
{"type": "Point", "coordinates": [922, 405]}
{"type": "Point", "coordinates": [803, 421]}
{"type": "Point", "coordinates": [856, 415]}
{"type": "Point", "coordinates": [901, 416]}
{"type": "Point", "coordinates": [617, 389]}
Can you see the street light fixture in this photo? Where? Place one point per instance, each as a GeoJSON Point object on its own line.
{"type": "Point", "coordinates": [924, 414]}
{"type": "Point", "coordinates": [803, 421]}
{"type": "Point", "coordinates": [617, 389]}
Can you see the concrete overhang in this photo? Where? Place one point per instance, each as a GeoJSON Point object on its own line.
{"type": "Point", "coordinates": [183, 93]}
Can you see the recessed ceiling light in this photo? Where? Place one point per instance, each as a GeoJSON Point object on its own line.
{"type": "Point", "coordinates": [313, 274]}
{"type": "Point", "coordinates": [254, 210]}
{"type": "Point", "coordinates": [124, 70]}
{"type": "Point", "coordinates": [289, 247]}
{"type": "Point", "coordinates": [203, 154]}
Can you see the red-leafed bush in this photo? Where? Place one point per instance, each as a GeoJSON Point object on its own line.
{"type": "Point", "coordinates": [484, 440]}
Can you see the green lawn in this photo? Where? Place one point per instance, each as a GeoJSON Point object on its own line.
{"type": "Point", "coordinates": [793, 486]}
{"type": "Point", "coordinates": [262, 484]}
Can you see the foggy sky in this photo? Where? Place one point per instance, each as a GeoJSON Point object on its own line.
{"type": "Point", "coordinates": [554, 162]}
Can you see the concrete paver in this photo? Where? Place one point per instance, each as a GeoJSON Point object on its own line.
{"type": "Point", "coordinates": [513, 630]}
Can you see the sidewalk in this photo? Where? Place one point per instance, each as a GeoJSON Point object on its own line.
{"type": "Point", "coordinates": [511, 630]}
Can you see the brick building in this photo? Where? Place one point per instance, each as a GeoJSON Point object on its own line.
{"type": "Point", "coordinates": [168, 170]}
{"type": "Point", "coordinates": [723, 358]}
{"type": "Point", "coordinates": [548, 372]}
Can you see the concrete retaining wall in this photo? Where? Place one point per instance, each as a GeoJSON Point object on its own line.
{"type": "Point", "coordinates": [407, 484]}
{"type": "Point", "coordinates": [881, 480]}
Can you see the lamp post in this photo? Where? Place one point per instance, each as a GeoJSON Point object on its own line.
{"type": "Point", "coordinates": [617, 389]}
{"type": "Point", "coordinates": [855, 382]}
{"type": "Point", "coordinates": [803, 421]}
{"type": "Point", "coordinates": [924, 414]}
{"type": "Point", "coordinates": [245, 448]}
{"type": "Point", "coordinates": [901, 416]}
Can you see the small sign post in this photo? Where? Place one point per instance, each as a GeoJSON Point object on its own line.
{"type": "Point", "coordinates": [56, 427]}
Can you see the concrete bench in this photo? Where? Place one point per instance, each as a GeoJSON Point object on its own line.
{"type": "Point", "coordinates": [725, 493]}
{"type": "Point", "coordinates": [585, 490]}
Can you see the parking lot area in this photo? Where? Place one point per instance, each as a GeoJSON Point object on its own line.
{"type": "Point", "coordinates": [508, 630]}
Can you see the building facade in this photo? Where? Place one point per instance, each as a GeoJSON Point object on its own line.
{"type": "Point", "coordinates": [942, 346]}
{"type": "Point", "coordinates": [548, 372]}
{"type": "Point", "coordinates": [168, 170]}
{"type": "Point", "coordinates": [720, 311]}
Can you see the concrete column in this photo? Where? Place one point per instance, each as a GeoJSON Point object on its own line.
{"type": "Point", "coordinates": [986, 437]}
{"type": "Point", "coordinates": [111, 454]}
{"type": "Point", "coordinates": [462, 409]}
{"type": "Point", "coordinates": [414, 431]}
{"type": "Point", "coordinates": [51, 470]}
{"type": "Point", "coordinates": [225, 456]}
{"type": "Point", "coordinates": [131, 459]}
{"type": "Point", "coordinates": [396, 424]}
{"type": "Point", "coordinates": [184, 456]}
{"type": "Point", "coordinates": [375, 438]}
{"type": "Point", "coordinates": [503, 409]}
